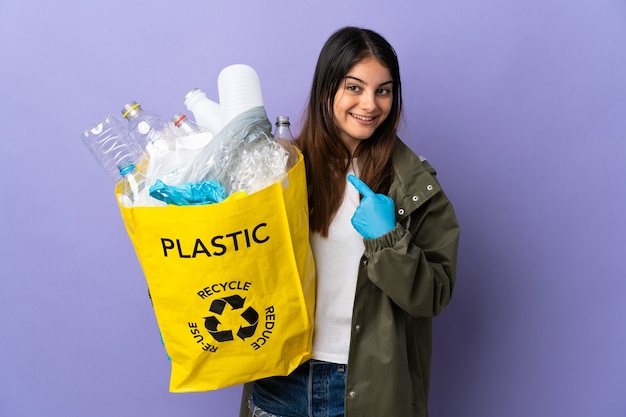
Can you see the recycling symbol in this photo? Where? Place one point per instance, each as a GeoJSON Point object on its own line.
{"type": "Point", "coordinates": [212, 323]}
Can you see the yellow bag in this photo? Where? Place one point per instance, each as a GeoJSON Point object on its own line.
{"type": "Point", "coordinates": [232, 284]}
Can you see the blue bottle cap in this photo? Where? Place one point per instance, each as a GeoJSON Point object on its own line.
{"type": "Point", "coordinates": [126, 167]}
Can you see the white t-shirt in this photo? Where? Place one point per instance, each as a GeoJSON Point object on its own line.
{"type": "Point", "coordinates": [337, 262]}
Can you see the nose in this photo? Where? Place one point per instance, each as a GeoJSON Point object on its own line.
{"type": "Point", "coordinates": [368, 101]}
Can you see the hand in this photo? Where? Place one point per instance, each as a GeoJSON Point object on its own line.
{"type": "Point", "coordinates": [376, 215]}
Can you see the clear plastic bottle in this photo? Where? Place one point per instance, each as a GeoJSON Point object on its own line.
{"type": "Point", "coordinates": [282, 134]}
{"type": "Point", "coordinates": [133, 183]}
{"type": "Point", "coordinates": [154, 134]}
{"type": "Point", "coordinates": [185, 127]}
{"type": "Point", "coordinates": [190, 140]}
{"type": "Point", "coordinates": [188, 134]}
{"type": "Point", "coordinates": [111, 143]}
{"type": "Point", "coordinates": [146, 127]}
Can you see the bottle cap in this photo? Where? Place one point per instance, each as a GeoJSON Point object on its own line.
{"type": "Point", "coordinates": [131, 108]}
{"type": "Point", "coordinates": [178, 119]}
{"type": "Point", "coordinates": [125, 167]}
{"type": "Point", "coordinates": [282, 120]}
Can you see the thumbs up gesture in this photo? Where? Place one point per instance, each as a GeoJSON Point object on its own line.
{"type": "Point", "coordinates": [376, 215]}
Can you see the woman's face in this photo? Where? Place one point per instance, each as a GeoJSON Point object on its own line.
{"type": "Point", "coordinates": [363, 101]}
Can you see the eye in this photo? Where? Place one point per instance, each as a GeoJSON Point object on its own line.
{"type": "Point", "coordinates": [383, 91]}
{"type": "Point", "coordinates": [353, 88]}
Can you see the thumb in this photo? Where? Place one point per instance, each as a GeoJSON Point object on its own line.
{"type": "Point", "coordinates": [360, 186]}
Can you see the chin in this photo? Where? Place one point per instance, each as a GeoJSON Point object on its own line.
{"type": "Point", "coordinates": [364, 136]}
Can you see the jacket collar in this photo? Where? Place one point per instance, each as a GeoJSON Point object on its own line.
{"type": "Point", "coordinates": [414, 180]}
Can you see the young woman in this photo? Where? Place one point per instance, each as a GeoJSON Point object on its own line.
{"type": "Point", "coordinates": [384, 237]}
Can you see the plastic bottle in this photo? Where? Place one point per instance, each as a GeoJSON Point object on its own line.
{"type": "Point", "coordinates": [239, 90]}
{"type": "Point", "coordinates": [147, 127]}
{"type": "Point", "coordinates": [206, 112]}
{"type": "Point", "coordinates": [190, 140]}
{"type": "Point", "coordinates": [282, 134]}
{"type": "Point", "coordinates": [133, 183]}
{"type": "Point", "coordinates": [188, 134]}
{"type": "Point", "coordinates": [185, 127]}
{"type": "Point", "coordinates": [155, 135]}
{"type": "Point", "coordinates": [111, 143]}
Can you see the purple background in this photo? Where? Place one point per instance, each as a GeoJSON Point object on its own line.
{"type": "Point", "coordinates": [520, 106]}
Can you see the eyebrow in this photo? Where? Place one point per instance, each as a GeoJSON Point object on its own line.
{"type": "Point", "coordinates": [363, 82]}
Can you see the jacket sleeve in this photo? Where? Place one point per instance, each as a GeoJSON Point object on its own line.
{"type": "Point", "coordinates": [415, 263]}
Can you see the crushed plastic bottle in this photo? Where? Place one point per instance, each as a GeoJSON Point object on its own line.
{"type": "Point", "coordinates": [111, 143]}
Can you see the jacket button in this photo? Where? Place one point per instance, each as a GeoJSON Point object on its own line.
{"type": "Point", "coordinates": [352, 394]}
{"type": "Point", "coordinates": [364, 261]}
{"type": "Point", "coordinates": [400, 212]}
{"type": "Point", "coordinates": [415, 198]}
{"type": "Point", "coordinates": [357, 328]}
{"type": "Point", "coordinates": [429, 187]}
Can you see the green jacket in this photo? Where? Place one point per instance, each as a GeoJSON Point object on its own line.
{"type": "Point", "coordinates": [405, 278]}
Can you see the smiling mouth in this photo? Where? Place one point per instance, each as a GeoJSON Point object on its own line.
{"type": "Point", "coordinates": [363, 118]}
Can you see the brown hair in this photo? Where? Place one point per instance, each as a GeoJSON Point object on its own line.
{"type": "Point", "coordinates": [327, 159]}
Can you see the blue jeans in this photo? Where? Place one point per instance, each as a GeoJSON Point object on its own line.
{"type": "Point", "coordinates": [314, 389]}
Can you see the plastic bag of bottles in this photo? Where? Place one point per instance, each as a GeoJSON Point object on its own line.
{"type": "Point", "coordinates": [232, 145]}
